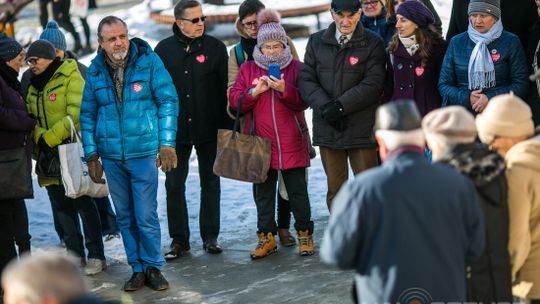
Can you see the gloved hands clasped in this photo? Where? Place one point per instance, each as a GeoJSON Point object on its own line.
{"type": "Point", "coordinates": [95, 169]}
{"type": "Point", "coordinates": [332, 111]}
{"type": "Point", "coordinates": [166, 158]}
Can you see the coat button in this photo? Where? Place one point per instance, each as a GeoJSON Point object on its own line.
{"type": "Point", "coordinates": [189, 120]}
{"type": "Point", "coordinates": [401, 87]}
{"type": "Point", "coordinates": [411, 85]}
{"type": "Point", "coordinates": [399, 66]}
{"type": "Point", "coordinates": [185, 72]}
{"type": "Point", "coordinates": [410, 66]}
{"type": "Point", "coordinates": [187, 96]}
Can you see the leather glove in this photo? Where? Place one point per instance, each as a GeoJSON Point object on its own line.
{"type": "Point", "coordinates": [166, 158]}
{"type": "Point", "coordinates": [95, 170]}
{"type": "Point", "coordinates": [42, 144]}
{"type": "Point", "coordinates": [332, 111]}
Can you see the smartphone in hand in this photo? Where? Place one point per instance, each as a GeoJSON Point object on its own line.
{"type": "Point", "coordinates": [274, 70]}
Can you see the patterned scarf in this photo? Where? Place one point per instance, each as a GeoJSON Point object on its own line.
{"type": "Point", "coordinates": [481, 68]}
{"type": "Point", "coordinates": [262, 61]}
{"type": "Point", "coordinates": [117, 71]}
{"type": "Point", "coordinates": [410, 44]}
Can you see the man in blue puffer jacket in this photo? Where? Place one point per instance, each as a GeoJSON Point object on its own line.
{"type": "Point", "coordinates": [129, 110]}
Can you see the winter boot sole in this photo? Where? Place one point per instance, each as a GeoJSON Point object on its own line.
{"type": "Point", "coordinates": [256, 257]}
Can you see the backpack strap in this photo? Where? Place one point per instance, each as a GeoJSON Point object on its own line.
{"type": "Point", "coordinates": [239, 52]}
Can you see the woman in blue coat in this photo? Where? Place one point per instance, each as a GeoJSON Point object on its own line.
{"type": "Point", "coordinates": [483, 62]}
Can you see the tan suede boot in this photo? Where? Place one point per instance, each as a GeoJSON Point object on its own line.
{"type": "Point", "coordinates": [305, 241]}
{"type": "Point", "coordinates": [267, 246]}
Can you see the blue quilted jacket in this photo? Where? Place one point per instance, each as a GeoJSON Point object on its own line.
{"type": "Point", "coordinates": [145, 120]}
{"type": "Point", "coordinates": [511, 73]}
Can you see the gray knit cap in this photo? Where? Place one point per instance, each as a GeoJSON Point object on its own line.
{"type": "Point", "coordinates": [41, 49]}
{"type": "Point", "coordinates": [492, 7]}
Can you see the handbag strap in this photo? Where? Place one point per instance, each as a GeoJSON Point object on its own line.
{"type": "Point", "coordinates": [237, 118]}
{"type": "Point", "coordinates": [73, 129]}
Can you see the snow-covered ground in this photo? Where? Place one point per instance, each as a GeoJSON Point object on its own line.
{"type": "Point", "coordinates": [238, 213]}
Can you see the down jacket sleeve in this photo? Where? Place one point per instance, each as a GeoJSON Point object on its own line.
{"type": "Point", "coordinates": [448, 87]}
{"type": "Point", "coordinates": [309, 85]}
{"type": "Point", "coordinates": [166, 100]}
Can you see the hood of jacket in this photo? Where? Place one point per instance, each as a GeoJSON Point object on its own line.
{"type": "Point", "coordinates": [526, 153]}
{"type": "Point", "coordinates": [240, 29]}
{"type": "Point", "coordinates": [475, 161]}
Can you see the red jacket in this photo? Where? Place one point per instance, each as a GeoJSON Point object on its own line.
{"type": "Point", "coordinates": [280, 119]}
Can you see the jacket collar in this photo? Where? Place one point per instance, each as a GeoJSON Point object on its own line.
{"type": "Point", "coordinates": [329, 35]}
{"type": "Point", "coordinates": [190, 45]}
{"type": "Point", "coordinates": [137, 48]}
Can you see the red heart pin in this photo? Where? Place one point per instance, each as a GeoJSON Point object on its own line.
{"type": "Point", "coordinates": [419, 71]}
{"type": "Point", "coordinates": [255, 81]}
{"type": "Point", "coordinates": [353, 60]}
{"type": "Point", "coordinates": [495, 57]}
{"type": "Point", "coordinates": [201, 58]}
{"type": "Point", "coordinates": [137, 88]}
{"type": "Point", "coordinates": [52, 97]}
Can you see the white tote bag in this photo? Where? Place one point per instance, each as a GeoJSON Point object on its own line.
{"type": "Point", "coordinates": [75, 177]}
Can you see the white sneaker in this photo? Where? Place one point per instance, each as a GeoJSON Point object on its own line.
{"type": "Point", "coordinates": [94, 266]}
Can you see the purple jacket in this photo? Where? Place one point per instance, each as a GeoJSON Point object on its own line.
{"type": "Point", "coordinates": [407, 79]}
{"type": "Point", "coordinates": [15, 123]}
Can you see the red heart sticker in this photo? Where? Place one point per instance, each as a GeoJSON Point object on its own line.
{"type": "Point", "coordinates": [495, 57]}
{"type": "Point", "coordinates": [419, 71]}
{"type": "Point", "coordinates": [137, 88]}
{"type": "Point", "coordinates": [201, 58]}
{"type": "Point", "coordinates": [353, 60]}
{"type": "Point", "coordinates": [255, 81]}
{"type": "Point", "coordinates": [52, 97]}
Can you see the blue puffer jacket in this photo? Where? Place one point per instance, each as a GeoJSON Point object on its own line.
{"type": "Point", "coordinates": [384, 27]}
{"type": "Point", "coordinates": [511, 72]}
{"type": "Point", "coordinates": [147, 117]}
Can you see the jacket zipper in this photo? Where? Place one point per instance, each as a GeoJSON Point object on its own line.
{"type": "Point", "coordinates": [119, 109]}
{"type": "Point", "coordinates": [276, 131]}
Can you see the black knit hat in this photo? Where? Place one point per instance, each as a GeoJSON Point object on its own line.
{"type": "Point", "coordinates": [249, 7]}
{"type": "Point", "coordinates": [417, 12]}
{"type": "Point", "coordinates": [9, 48]}
{"type": "Point", "coordinates": [400, 115]}
{"type": "Point", "coordinates": [41, 49]}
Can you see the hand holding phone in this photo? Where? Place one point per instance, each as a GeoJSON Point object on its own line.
{"type": "Point", "coordinates": [274, 70]}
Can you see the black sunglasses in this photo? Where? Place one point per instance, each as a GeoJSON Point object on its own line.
{"type": "Point", "coordinates": [195, 20]}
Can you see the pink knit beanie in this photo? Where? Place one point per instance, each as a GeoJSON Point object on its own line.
{"type": "Point", "coordinates": [270, 27]}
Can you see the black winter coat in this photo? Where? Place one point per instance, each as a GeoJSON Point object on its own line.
{"type": "Point", "coordinates": [518, 17]}
{"type": "Point", "coordinates": [198, 68]}
{"type": "Point", "coordinates": [353, 75]}
{"type": "Point", "coordinates": [489, 279]}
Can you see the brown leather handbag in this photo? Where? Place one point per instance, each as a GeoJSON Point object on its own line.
{"type": "Point", "coordinates": [243, 157]}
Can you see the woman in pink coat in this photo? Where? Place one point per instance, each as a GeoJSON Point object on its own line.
{"type": "Point", "coordinates": [278, 111]}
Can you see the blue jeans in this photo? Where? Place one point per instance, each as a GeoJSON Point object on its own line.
{"type": "Point", "coordinates": [133, 186]}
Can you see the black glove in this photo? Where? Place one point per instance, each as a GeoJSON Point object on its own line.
{"type": "Point", "coordinates": [42, 144]}
{"type": "Point", "coordinates": [332, 111]}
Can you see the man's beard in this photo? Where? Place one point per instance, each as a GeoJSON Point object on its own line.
{"type": "Point", "coordinates": [119, 55]}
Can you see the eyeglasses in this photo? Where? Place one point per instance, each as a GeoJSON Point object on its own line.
{"type": "Point", "coordinates": [32, 61]}
{"type": "Point", "coordinates": [272, 47]}
{"type": "Point", "coordinates": [252, 24]}
{"type": "Point", "coordinates": [369, 3]}
{"type": "Point", "coordinates": [194, 20]}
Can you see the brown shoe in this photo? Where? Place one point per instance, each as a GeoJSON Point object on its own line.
{"type": "Point", "coordinates": [267, 246]}
{"type": "Point", "coordinates": [285, 237]}
{"type": "Point", "coordinates": [177, 250]}
{"type": "Point", "coordinates": [305, 241]}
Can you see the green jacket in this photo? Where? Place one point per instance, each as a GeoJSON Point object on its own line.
{"type": "Point", "coordinates": [60, 97]}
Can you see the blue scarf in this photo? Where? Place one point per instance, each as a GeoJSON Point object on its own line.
{"type": "Point", "coordinates": [481, 68]}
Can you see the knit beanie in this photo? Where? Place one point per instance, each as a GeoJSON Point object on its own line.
{"type": "Point", "coordinates": [417, 12]}
{"type": "Point", "coordinates": [54, 35]}
{"type": "Point", "coordinates": [492, 7]}
{"type": "Point", "coordinates": [249, 7]}
{"type": "Point", "coordinates": [9, 48]}
{"type": "Point", "coordinates": [505, 115]}
{"type": "Point", "coordinates": [41, 49]}
{"type": "Point", "coordinates": [450, 125]}
{"type": "Point", "coordinates": [269, 27]}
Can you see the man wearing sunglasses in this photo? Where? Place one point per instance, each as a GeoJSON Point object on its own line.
{"type": "Point", "coordinates": [341, 80]}
{"type": "Point", "coordinates": [197, 63]}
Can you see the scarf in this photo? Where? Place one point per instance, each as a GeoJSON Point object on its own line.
{"type": "Point", "coordinates": [248, 45]}
{"type": "Point", "coordinates": [481, 68]}
{"type": "Point", "coordinates": [10, 76]}
{"type": "Point", "coordinates": [410, 44]}
{"type": "Point", "coordinates": [41, 80]}
{"type": "Point", "coordinates": [117, 71]}
{"type": "Point", "coordinates": [262, 61]}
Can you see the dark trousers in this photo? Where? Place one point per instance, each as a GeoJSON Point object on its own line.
{"type": "Point", "coordinates": [106, 215]}
{"type": "Point", "coordinates": [175, 184]}
{"type": "Point", "coordinates": [13, 227]}
{"type": "Point", "coordinates": [43, 12]}
{"type": "Point", "coordinates": [67, 210]}
{"type": "Point", "coordinates": [283, 211]}
{"type": "Point", "coordinates": [61, 15]}
{"type": "Point", "coordinates": [265, 199]}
